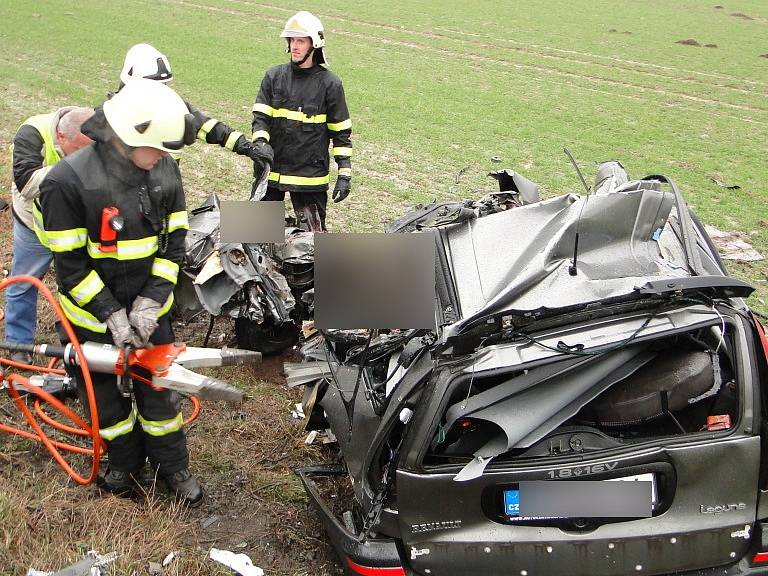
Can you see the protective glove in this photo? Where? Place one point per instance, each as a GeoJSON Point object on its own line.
{"type": "Point", "coordinates": [143, 318]}
{"type": "Point", "coordinates": [259, 151]}
{"type": "Point", "coordinates": [120, 327]}
{"type": "Point", "coordinates": [342, 188]}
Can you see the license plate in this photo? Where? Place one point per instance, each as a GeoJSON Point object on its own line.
{"type": "Point", "coordinates": [512, 502]}
{"type": "Point", "coordinates": [513, 497]}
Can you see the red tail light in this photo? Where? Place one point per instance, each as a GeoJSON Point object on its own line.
{"type": "Point", "coordinates": [760, 557]}
{"type": "Point", "coordinates": [763, 338]}
{"type": "Point", "coordinates": [371, 571]}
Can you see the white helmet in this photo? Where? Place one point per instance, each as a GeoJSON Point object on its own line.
{"type": "Point", "coordinates": [145, 61]}
{"type": "Point", "coordinates": [149, 113]}
{"type": "Point", "coordinates": [306, 25]}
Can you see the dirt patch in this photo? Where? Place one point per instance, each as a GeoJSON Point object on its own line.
{"type": "Point", "coordinates": [741, 15]}
{"type": "Point", "coordinates": [710, 45]}
{"type": "Point", "coordinates": [764, 55]}
{"type": "Point", "coordinates": [689, 42]}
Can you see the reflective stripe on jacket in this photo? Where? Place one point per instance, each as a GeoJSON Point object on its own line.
{"type": "Point", "coordinates": [33, 152]}
{"type": "Point", "coordinates": [98, 276]}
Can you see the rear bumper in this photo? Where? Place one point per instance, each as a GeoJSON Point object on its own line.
{"type": "Point", "coordinates": [375, 556]}
{"type": "Point", "coordinates": [381, 556]}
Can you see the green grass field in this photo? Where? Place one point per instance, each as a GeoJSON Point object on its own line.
{"type": "Point", "coordinates": [436, 87]}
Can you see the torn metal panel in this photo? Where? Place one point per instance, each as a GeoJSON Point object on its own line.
{"type": "Point", "coordinates": [305, 372]}
{"type": "Point", "coordinates": [495, 271]}
{"type": "Point", "coordinates": [510, 181]}
{"type": "Point", "coordinates": [528, 415]}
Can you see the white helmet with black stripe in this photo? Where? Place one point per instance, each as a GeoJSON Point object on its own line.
{"type": "Point", "coordinates": [306, 25]}
{"type": "Point", "coordinates": [145, 61]}
{"type": "Point", "coordinates": [149, 113]}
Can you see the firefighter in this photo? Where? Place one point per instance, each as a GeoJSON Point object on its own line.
{"type": "Point", "coordinates": [40, 142]}
{"type": "Point", "coordinates": [146, 61]}
{"type": "Point", "coordinates": [114, 217]}
{"type": "Point", "coordinates": [300, 108]}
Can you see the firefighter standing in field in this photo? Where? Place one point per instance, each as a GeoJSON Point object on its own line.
{"type": "Point", "coordinates": [299, 110]}
{"type": "Point", "coordinates": [146, 61]}
{"type": "Point", "coordinates": [115, 219]}
{"type": "Point", "coordinates": [40, 142]}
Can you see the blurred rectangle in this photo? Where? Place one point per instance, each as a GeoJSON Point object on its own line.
{"type": "Point", "coordinates": [243, 221]}
{"type": "Point", "coordinates": [586, 499]}
{"type": "Point", "coordinates": [374, 281]}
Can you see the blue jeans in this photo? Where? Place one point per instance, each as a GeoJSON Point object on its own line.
{"type": "Point", "coordinates": [29, 257]}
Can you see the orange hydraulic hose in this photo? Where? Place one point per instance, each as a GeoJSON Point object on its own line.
{"type": "Point", "coordinates": [81, 427]}
{"type": "Point", "coordinates": [92, 430]}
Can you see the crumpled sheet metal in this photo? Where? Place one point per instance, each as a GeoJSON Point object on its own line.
{"type": "Point", "coordinates": [532, 410]}
{"type": "Point", "coordinates": [519, 259]}
{"type": "Point", "coordinates": [299, 246]}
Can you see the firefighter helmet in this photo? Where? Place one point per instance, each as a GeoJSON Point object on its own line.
{"type": "Point", "coordinates": [149, 113]}
{"type": "Point", "coordinates": [305, 25]}
{"type": "Point", "coordinates": [145, 61]}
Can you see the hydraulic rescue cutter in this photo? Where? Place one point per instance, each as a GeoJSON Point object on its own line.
{"type": "Point", "coordinates": [163, 366]}
{"type": "Point", "coordinates": [166, 366]}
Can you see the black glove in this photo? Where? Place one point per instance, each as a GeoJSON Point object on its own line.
{"type": "Point", "coordinates": [342, 188]}
{"type": "Point", "coordinates": [259, 151]}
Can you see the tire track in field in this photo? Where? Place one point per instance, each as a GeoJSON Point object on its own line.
{"type": "Point", "coordinates": [538, 50]}
{"type": "Point", "coordinates": [453, 54]}
{"type": "Point", "coordinates": [615, 59]}
{"type": "Point", "coordinates": [666, 104]}
{"type": "Point", "coordinates": [555, 71]}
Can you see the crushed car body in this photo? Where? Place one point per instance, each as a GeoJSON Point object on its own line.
{"type": "Point", "coordinates": [260, 286]}
{"type": "Point", "coordinates": [584, 338]}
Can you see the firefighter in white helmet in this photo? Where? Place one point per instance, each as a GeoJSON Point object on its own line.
{"type": "Point", "coordinates": [146, 61]}
{"type": "Point", "coordinates": [299, 110]}
{"type": "Point", "coordinates": [114, 216]}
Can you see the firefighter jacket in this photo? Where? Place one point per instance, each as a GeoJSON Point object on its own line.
{"type": "Point", "coordinates": [212, 131]}
{"type": "Point", "coordinates": [34, 151]}
{"type": "Point", "coordinates": [97, 271]}
{"type": "Point", "coordinates": [299, 111]}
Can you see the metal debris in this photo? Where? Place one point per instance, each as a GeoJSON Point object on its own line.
{"type": "Point", "coordinates": [93, 565]}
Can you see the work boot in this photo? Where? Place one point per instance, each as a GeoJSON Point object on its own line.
{"type": "Point", "coordinates": [117, 482]}
{"type": "Point", "coordinates": [147, 477]}
{"type": "Point", "coordinates": [186, 487]}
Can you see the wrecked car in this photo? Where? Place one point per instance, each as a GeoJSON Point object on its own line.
{"type": "Point", "coordinates": [261, 286]}
{"type": "Point", "coordinates": [591, 400]}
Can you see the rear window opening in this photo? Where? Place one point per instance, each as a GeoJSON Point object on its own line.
{"type": "Point", "coordinates": [667, 388]}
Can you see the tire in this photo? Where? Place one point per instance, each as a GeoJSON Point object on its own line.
{"type": "Point", "coordinates": [266, 338]}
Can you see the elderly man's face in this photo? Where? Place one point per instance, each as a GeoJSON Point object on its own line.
{"type": "Point", "coordinates": [68, 146]}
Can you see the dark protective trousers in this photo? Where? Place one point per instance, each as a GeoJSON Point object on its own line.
{"type": "Point", "coordinates": [128, 451]}
{"type": "Point", "coordinates": [301, 199]}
